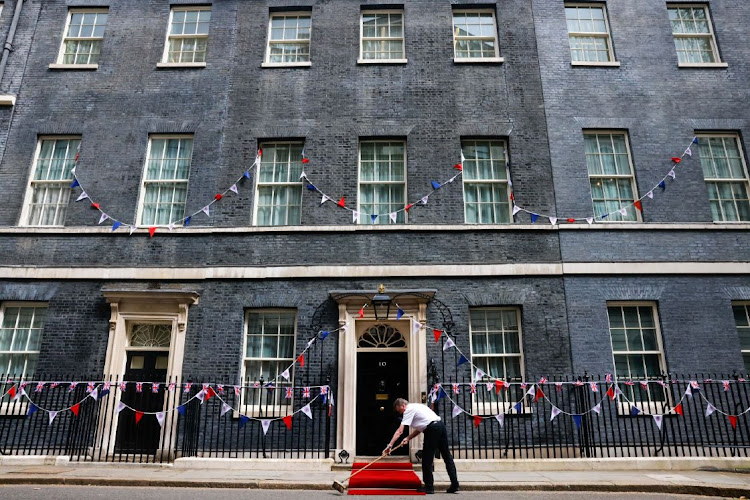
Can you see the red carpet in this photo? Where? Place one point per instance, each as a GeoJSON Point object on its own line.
{"type": "Point", "coordinates": [384, 479]}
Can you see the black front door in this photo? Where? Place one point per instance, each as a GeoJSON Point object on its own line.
{"type": "Point", "coordinates": [142, 437]}
{"type": "Point", "coordinates": [381, 378]}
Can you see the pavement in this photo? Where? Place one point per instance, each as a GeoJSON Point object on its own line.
{"type": "Point", "coordinates": [722, 483]}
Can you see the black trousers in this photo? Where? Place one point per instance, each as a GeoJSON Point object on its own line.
{"type": "Point", "coordinates": [436, 438]}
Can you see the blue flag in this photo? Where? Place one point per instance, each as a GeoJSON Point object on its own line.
{"type": "Point", "coordinates": [577, 420]}
{"type": "Point", "coordinates": [462, 360]}
{"type": "Point", "coordinates": [604, 216]}
{"type": "Point", "coordinates": [441, 394]}
{"type": "Point", "coordinates": [399, 313]}
{"type": "Point", "coordinates": [312, 187]}
{"type": "Point", "coordinates": [534, 217]}
{"type": "Point", "coordinates": [634, 411]}
{"type": "Point", "coordinates": [247, 174]}
{"type": "Point", "coordinates": [323, 335]}
{"type": "Point", "coordinates": [517, 407]}
{"type": "Point", "coordinates": [695, 140]}
{"type": "Point", "coordinates": [243, 420]}
{"type": "Point", "coordinates": [181, 409]}
{"type": "Point", "coordinates": [662, 185]}
{"type": "Point", "coordinates": [32, 409]}
{"type": "Point", "coordinates": [103, 393]}
{"type": "Point", "coordinates": [373, 217]}
{"type": "Point", "coordinates": [75, 184]}
{"type": "Point", "coordinates": [435, 184]}
{"type": "Point", "coordinates": [187, 221]}
{"type": "Point", "coordinates": [116, 225]}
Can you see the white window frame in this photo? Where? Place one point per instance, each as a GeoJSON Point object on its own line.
{"type": "Point", "coordinates": [59, 64]}
{"type": "Point", "coordinates": [299, 64]}
{"type": "Point", "coordinates": [496, 58]}
{"type": "Point", "coordinates": [594, 34]}
{"type": "Point", "coordinates": [489, 181]}
{"type": "Point", "coordinates": [142, 190]}
{"type": "Point", "coordinates": [360, 183]}
{"type": "Point", "coordinates": [746, 306]}
{"type": "Point", "coordinates": [710, 35]}
{"type": "Point", "coordinates": [26, 210]}
{"type": "Point", "coordinates": [22, 305]}
{"type": "Point", "coordinates": [258, 183]}
{"type": "Point", "coordinates": [633, 185]}
{"type": "Point", "coordinates": [649, 406]}
{"type": "Point", "coordinates": [164, 62]}
{"type": "Point", "coordinates": [361, 59]}
{"type": "Point", "coordinates": [746, 180]}
{"type": "Point", "coordinates": [275, 410]}
{"type": "Point", "coordinates": [487, 407]}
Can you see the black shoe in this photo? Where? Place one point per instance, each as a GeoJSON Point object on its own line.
{"type": "Point", "coordinates": [453, 488]}
{"type": "Point", "coordinates": [424, 489]}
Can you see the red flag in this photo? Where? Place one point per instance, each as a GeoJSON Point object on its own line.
{"type": "Point", "coordinates": [733, 420]}
{"type": "Point", "coordinates": [288, 421]}
{"type": "Point", "coordinates": [260, 151]}
{"type": "Point", "coordinates": [301, 360]}
{"type": "Point", "coordinates": [409, 206]}
{"type": "Point", "coordinates": [151, 231]}
{"type": "Point", "coordinates": [437, 333]}
{"type": "Point", "coordinates": [217, 197]}
{"type": "Point", "coordinates": [12, 392]}
{"type": "Point", "coordinates": [95, 205]}
{"type": "Point", "coordinates": [638, 205]}
{"type": "Point", "coordinates": [362, 313]}
{"type": "Point", "coordinates": [611, 393]}
{"type": "Point", "coordinates": [305, 160]}
{"type": "Point", "coordinates": [342, 202]}
{"type": "Point", "coordinates": [678, 409]}
{"type": "Point", "coordinates": [138, 416]}
{"type": "Point", "coordinates": [209, 393]}
{"type": "Point", "coordinates": [512, 197]}
{"type": "Point", "coordinates": [539, 394]}
{"type": "Point", "coordinates": [676, 160]}
{"type": "Point", "coordinates": [458, 166]}
{"type": "Point", "coordinates": [498, 385]}
{"type": "Point", "coordinates": [571, 220]}
{"type": "Point", "coordinates": [78, 154]}
{"type": "Point", "coordinates": [75, 408]}
{"type": "Point", "coordinates": [477, 420]}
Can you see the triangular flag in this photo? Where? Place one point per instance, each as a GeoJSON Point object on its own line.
{"type": "Point", "coordinates": [555, 412]}
{"type": "Point", "coordinates": [285, 374]}
{"type": "Point", "coordinates": [435, 184]}
{"type": "Point", "coordinates": [243, 420]}
{"type": "Point", "coordinates": [233, 188]}
{"type": "Point", "coordinates": [499, 384]}
{"type": "Point", "coordinates": [160, 418]}
{"type": "Point", "coordinates": [132, 229]}
{"type": "Point", "coordinates": [408, 207]}
{"type": "Point", "coordinates": [553, 220]}
{"type": "Point", "coordinates": [287, 421]}
{"type": "Point", "coordinates": [399, 313]}
{"type": "Point", "coordinates": [678, 409]}
{"type": "Point", "coordinates": [94, 394]}
{"type": "Point", "coordinates": [361, 313]}
{"type": "Point", "coordinates": [500, 417]}
{"type": "Point", "coordinates": [658, 420]}
{"type": "Point", "coordinates": [116, 224]}
{"type": "Point", "coordinates": [247, 174]}
{"type": "Point", "coordinates": [623, 211]}
{"type": "Point", "coordinates": [182, 409]}
{"type": "Point", "coordinates": [598, 408]}
{"type": "Point", "coordinates": [151, 231]}
{"type": "Point", "coordinates": [52, 415]}
{"type": "Point", "coordinates": [672, 174]}
{"type": "Point", "coordinates": [461, 360]}
{"type": "Point", "coordinates": [301, 359]}
{"type": "Point", "coordinates": [531, 390]}
{"type": "Point", "coordinates": [676, 159]}
{"type": "Point", "coordinates": [534, 217]}
{"type": "Point", "coordinates": [307, 411]}
{"type": "Point", "coordinates": [695, 140]}
{"type": "Point", "coordinates": [590, 220]}
{"type": "Point", "coordinates": [355, 216]}
{"type": "Point", "coordinates": [95, 205]}
{"type": "Point", "coordinates": [637, 204]}
{"type": "Point", "coordinates": [538, 394]}
{"type": "Point", "coordinates": [138, 416]}
{"type": "Point", "coordinates": [373, 218]}
{"type": "Point", "coordinates": [207, 210]}
{"type": "Point", "coordinates": [517, 407]}
{"type": "Point", "coordinates": [634, 410]}
{"type": "Point", "coordinates": [342, 202]}
{"type": "Point", "coordinates": [689, 391]}
{"type": "Point", "coordinates": [571, 220]}
{"type": "Point", "coordinates": [424, 200]}
{"type": "Point", "coordinates": [324, 199]}
{"type": "Point", "coordinates": [103, 217]}
{"type": "Point", "coordinates": [32, 409]}
{"type": "Point", "coordinates": [458, 166]}
{"type": "Point", "coordinates": [225, 408]}
{"type": "Point", "coordinates": [611, 393]}
{"type": "Point", "coordinates": [710, 409]}
{"type": "Point", "coordinates": [516, 209]}
{"type": "Point", "coordinates": [650, 194]}
{"type": "Point", "coordinates": [75, 408]}
{"type": "Point", "coordinates": [577, 420]}
{"type": "Point", "coordinates": [265, 423]}
{"type": "Point", "coordinates": [448, 344]}
{"type": "Point", "coordinates": [440, 394]}
{"type": "Point", "coordinates": [437, 333]}
{"type": "Point", "coordinates": [479, 374]}
{"type": "Point", "coordinates": [393, 216]}
{"type": "Point", "coordinates": [477, 420]}
{"type": "Point", "coordinates": [12, 392]}
{"type": "Point", "coordinates": [311, 187]}
{"type": "Point", "coordinates": [75, 184]}
{"type": "Point", "coordinates": [733, 420]}
{"type": "Point", "coordinates": [324, 334]}
{"type": "Point", "coordinates": [218, 196]}
{"type": "Point", "coordinates": [662, 185]}
{"type": "Point", "coordinates": [171, 226]}
{"type": "Point", "coordinates": [689, 151]}
{"type": "Point", "coordinates": [82, 196]}
{"type": "Point", "coordinates": [457, 411]}
{"type": "Point", "coordinates": [120, 406]}
{"type": "Point", "coordinates": [417, 326]}
{"type": "Point", "coordinates": [209, 393]}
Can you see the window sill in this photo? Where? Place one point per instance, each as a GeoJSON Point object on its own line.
{"type": "Point", "coordinates": [382, 61]}
{"type": "Point", "coordinates": [704, 65]}
{"type": "Point", "coordinates": [89, 67]}
{"type": "Point", "coordinates": [479, 60]}
{"type": "Point", "coordinates": [7, 100]}
{"type": "Point", "coordinates": [181, 65]}
{"type": "Point", "coordinates": [304, 64]}
{"type": "Point", "coordinates": [603, 64]}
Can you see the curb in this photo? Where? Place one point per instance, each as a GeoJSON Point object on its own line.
{"type": "Point", "coordinates": [675, 489]}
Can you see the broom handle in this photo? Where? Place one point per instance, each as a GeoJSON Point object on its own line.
{"type": "Point", "coordinates": [377, 459]}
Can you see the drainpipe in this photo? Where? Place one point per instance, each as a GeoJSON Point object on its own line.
{"type": "Point", "coordinates": [9, 40]}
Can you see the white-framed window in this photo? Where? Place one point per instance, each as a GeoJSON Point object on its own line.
{"type": "Point", "coordinates": [637, 349]}
{"type": "Point", "coordinates": [21, 327]}
{"type": "Point", "coordinates": [82, 41]}
{"type": "Point", "coordinates": [485, 178]}
{"type": "Point", "coordinates": [269, 350]}
{"type": "Point", "coordinates": [187, 35]}
{"type": "Point", "coordinates": [588, 33]}
{"type": "Point", "coordinates": [725, 173]}
{"type": "Point", "coordinates": [693, 34]}
{"type": "Point", "coordinates": [51, 176]}
{"type": "Point", "coordinates": [165, 180]}
{"type": "Point", "coordinates": [279, 189]}
{"type": "Point", "coordinates": [475, 35]}
{"type": "Point", "coordinates": [382, 181]}
{"type": "Point", "coordinates": [289, 39]}
{"type": "Point", "coordinates": [742, 322]}
{"type": "Point", "coordinates": [382, 36]}
{"type": "Point", "coordinates": [610, 170]}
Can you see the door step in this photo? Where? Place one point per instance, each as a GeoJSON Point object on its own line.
{"type": "Point", "coordinates": [348, 466]}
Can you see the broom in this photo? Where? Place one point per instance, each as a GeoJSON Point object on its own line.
{"type": "Point", "coordinates": [339, 486]}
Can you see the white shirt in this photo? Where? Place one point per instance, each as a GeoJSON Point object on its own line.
{"type": "Point", "coordinates": [418, 416]}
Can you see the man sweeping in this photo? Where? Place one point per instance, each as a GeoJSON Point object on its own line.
{"type": "Point", "coordinates": [421, 419]}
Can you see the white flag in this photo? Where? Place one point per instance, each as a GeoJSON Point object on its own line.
{"type": "Point", "coordinates": [710, 409]}
{"type": "Point", "coordinates": [170, 226]}
{"type": "Point", "coordinates": [553, 220]}
{"type": "Point", "coordinates": [516, 209]}
{"type": "Point", "coordinates": [671, 174]}
{"type": "Point", "coordinates": [555, 412]}
{"type": "Point", "coordinates": [160, 418]}
{"type": "Point", "coordinates": [658, 419]}
{"type": "Point", "coordinates": [20, 392]}
{"type": "Point", "coordinates": [355, 216]}
{"type": "Point", "coordinates": [120, 406]}
{"type": "Point", "coordinates": [689, 151]}
{"type": "Point", "coordinates": [73, 171]}
{"type": "Point", "coordinates": [650, 194]}
{"type": "Point", "coordinates": [52, 415]}
{"type": "Point", "coordinates": [500, 418]}
{"type": "Point", "coordinates": [448, 344]}
{"type": "Point", "coordinates": [132, 229]}
{"type": "Point", "coordinates": [265, 423]}
{"type": "Point", "coordinates": [225, 408]}
{"type": "Point", "coordinates": [311, 342]}
{"type": "Point", "coordinates": [103, 217]}
{"type": "Point", "coordinates": [417, 326]}
{"type": "Point", "coordinates": [201, 395]}
{"type": "Point", "coordinates": [207, 210]}
{"type": "Point", "coordinates": [307, 411]}
{"type": "Point", "coordinates": [95, 393]}
{"type": "Point", "coordinates": [393, 216]}
{"type": "Point", "coordinates": [623, 211]}
{"type": "Point", "coordinates": [324, 199]}
{"type": "Point", "coordinates": [489, 386]}
{"type": "Point", "coordinates": [598, 408]}
{"type": "Point", "coordinates": [303, 175]}
{"type": "Point", "coordinates": [82, 196]}
{"type": "Point", "coordinates": [532, 390]}
{"type": "Point", "coordinates": [233, 188]}
{"type": "Point", "coordinates": [456, 411]}
{"type": "Point", "coordinates": [479, 374]}
{"type": "Point", "coordinates": [463, 159]}
{"type": "Point", "coordinates": [285, 374]}
{"type": "Point", "coordinates": [330, 398]}
{"type": "Point", "coordinates": [590, 220]}
{"type": "Point", "coordinates": [689, 391]}
{"type": "Point", "coordinates": [424, 200]}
